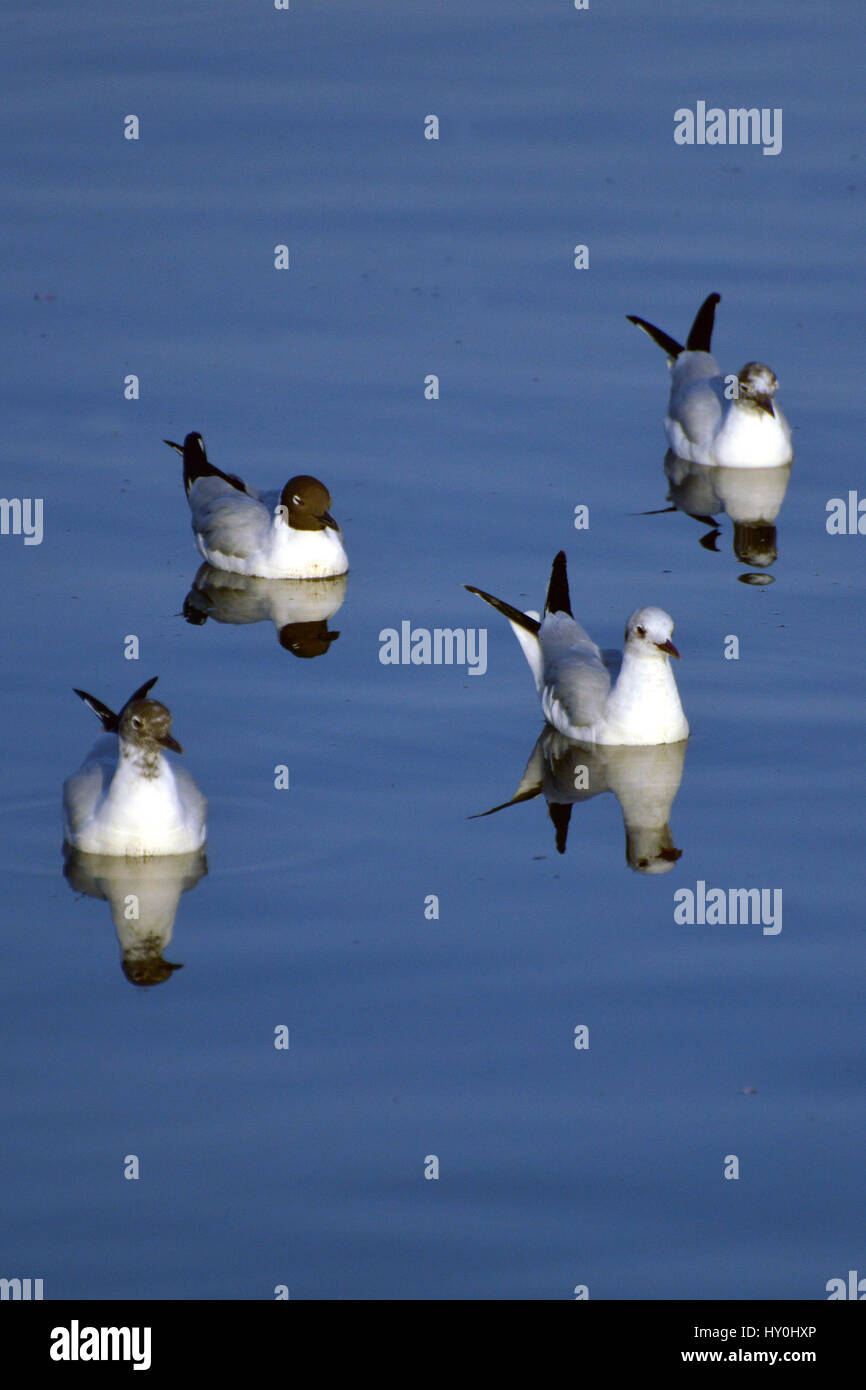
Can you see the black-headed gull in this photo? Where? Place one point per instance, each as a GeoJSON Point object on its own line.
{"type": "Point", "coordinates": [126, 798]}
{"type": "Point", "coordinates": [573, 676]}
{"type": "Point", "coordinates": [730, 422]}
{"type": "Point", "coordinates": [267, 535]}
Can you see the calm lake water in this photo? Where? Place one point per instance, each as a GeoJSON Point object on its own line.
{"type": "Point", "coordinates": [415, 1035]}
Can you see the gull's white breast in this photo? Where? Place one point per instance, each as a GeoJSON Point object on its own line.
{"type": "Point", "coordinates": [704, 426]}
{"type": "Point", "coordinates": [110, 808]}
{"type": "Point", "coordinates": [246, 535]}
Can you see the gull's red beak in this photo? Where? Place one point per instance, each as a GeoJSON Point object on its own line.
{"type": "Point", "coordinates": [668, 647]}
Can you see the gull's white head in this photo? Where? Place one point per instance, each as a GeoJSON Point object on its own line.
{"type": "Point", "coordinates": [648, 634]}
{"type": "Point", "coordinates": [758, 385]}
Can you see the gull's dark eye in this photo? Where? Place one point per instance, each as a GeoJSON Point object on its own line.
{"type": "Point", "coordinates": [641, 631]}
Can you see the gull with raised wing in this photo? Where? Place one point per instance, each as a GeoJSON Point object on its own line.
{"type": "Point", "coordinates": [573, 676]}
{"type": "Point", "coordinates": [268, 535]}
{"type": "Point", "coordinates": [127, 798]}
{"type": "Point", "coordinates": [727, 421]}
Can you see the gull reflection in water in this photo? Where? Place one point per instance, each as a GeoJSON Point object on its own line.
{"type": "Point", "coordinates": [751, 497]}
{"type": "Point", "coordinates": [644, 781]}
{"type": "Point", "coordinates": [143, 895]}
{"type": "Point", "coordinates": [298, 608]}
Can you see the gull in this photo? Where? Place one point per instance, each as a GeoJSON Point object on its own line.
{"type": "Point", "coordinates": [270, 535]}
{"type": "Point", "coordinates": [732, 421]}
{"type": "Point", "coordinates": [126, 798]}
{"type": "Point", "coordinates": [573, 677]}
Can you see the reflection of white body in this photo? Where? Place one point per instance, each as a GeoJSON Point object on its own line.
{"type": "Point", "coordinates": [271, 535]}
{"type": "Point", "coordinates": [711, 419]}
{"type": "Point", "coordinates": [298, 608]}
{"type": "Point", "coordinates": [752, 498]}
{"type": "Point", "coordinates": [143, 895]}
{"type": "Point", "coordinates": [127, 798]}
{"type": "Point", "coordinates": [644, 781]}
{"type": "Point", "coordinates": [573, 677]}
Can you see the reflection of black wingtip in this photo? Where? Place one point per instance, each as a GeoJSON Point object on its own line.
{"type": "Point", "coordinates": [560, 815]}
{"type": "Point", "coordinates": [503, 805]}
{"type": "Point", "coordinates": [709, 541]}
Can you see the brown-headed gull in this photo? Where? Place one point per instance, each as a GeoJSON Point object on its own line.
{"type": "Point", "coordinates": [127, 798]}
{"type": "Point", "coordinates": [268, 535]}
{"type": "Point", "coordinates": [726, 421]}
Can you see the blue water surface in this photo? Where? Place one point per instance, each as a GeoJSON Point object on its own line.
{"type": "Point", "coordinates": [430, 969]}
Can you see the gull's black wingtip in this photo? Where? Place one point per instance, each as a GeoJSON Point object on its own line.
{"type": "Point", "coordinates": [196, 463]}
{"type": "Point", "coordinates": [668, 345]}
{"type": "Point", "coordinates": [701, 331]}
{"type": "Point", "coordinates": [558, 599]}
{"type": "Point", "coordinates": [141, 692]}
{"type": "Point", "coordinates": [507, 610]}
{"type": "Point", "coordinates": [107, 718]}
